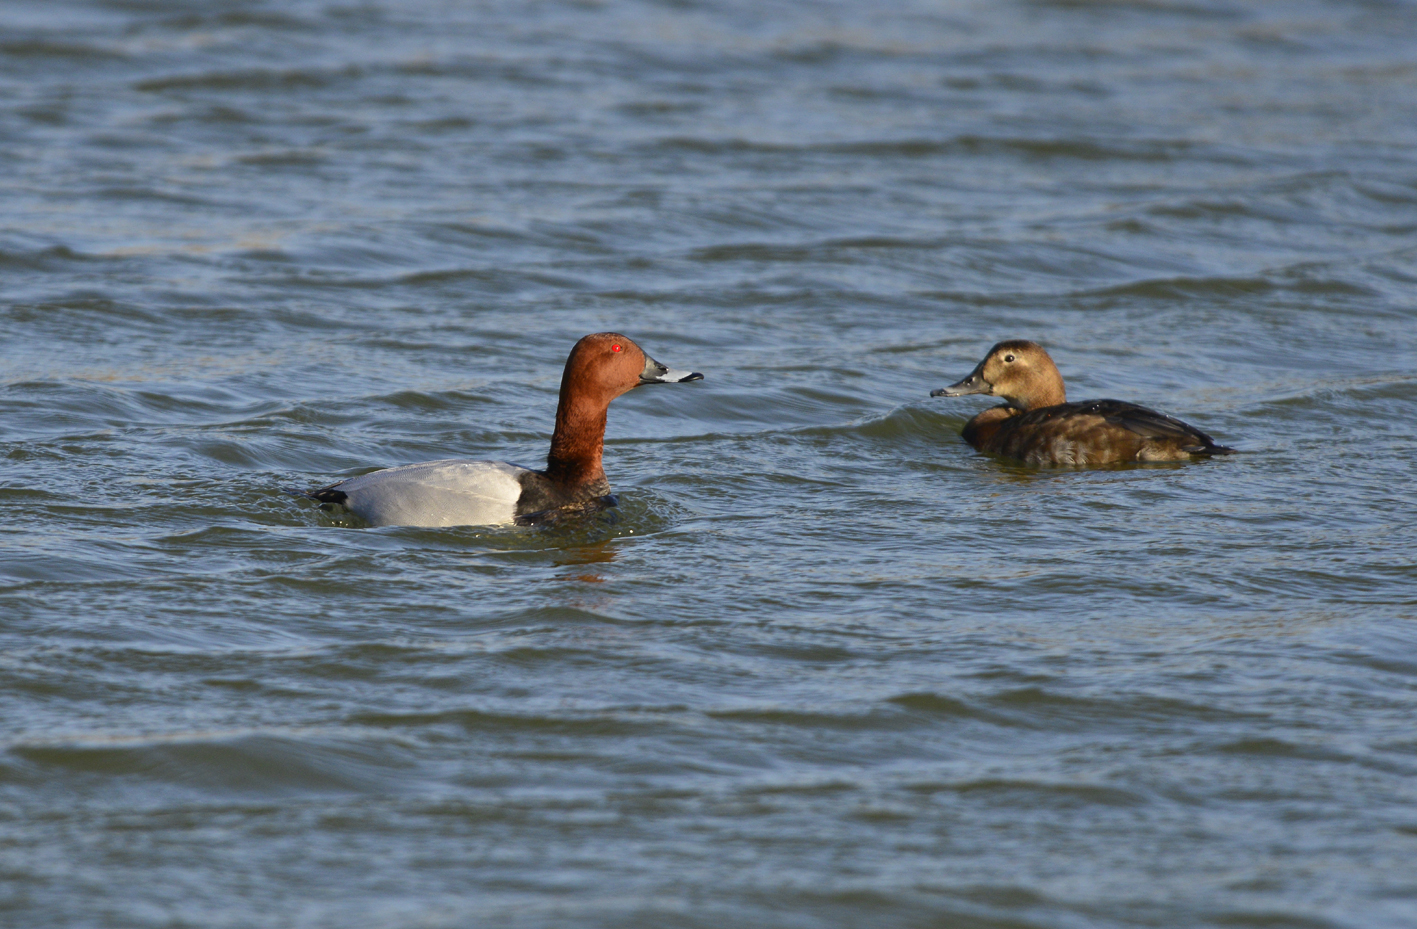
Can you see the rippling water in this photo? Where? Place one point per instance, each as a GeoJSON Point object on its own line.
{"type": "Point", "coordinates": [826, 666]}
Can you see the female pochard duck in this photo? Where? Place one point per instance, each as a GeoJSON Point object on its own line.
{"type": "Point", "coordinates": [1038, 426]}
{"type": "Point", "coordinates": [464, 492]}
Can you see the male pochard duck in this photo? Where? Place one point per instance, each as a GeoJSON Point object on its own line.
{"type": "Point", "coordinates": [1038, 426]}
{"type": "Point", "coordinates": [464, 492]}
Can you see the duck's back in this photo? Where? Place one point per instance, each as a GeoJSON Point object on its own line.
{"type": "Point", "coordinates": [448, 492]}
{"type": "Point", "coordinates": [1091, 432]}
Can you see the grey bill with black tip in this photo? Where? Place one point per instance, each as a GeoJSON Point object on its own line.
{"type": "Point", "coordinates": [656, 373]}
{"type": "Point", "coordinates": [974, 384]}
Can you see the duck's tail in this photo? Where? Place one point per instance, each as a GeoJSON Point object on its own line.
{"type": "Point", "coordinates": [1210, 448]}
{"type": "Point", "coordinates": [320, 495]}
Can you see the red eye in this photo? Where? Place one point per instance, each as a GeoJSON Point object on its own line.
{"type": "Point", "coordinates": [614, 348]}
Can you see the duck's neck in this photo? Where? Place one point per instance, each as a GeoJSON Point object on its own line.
{"type": "Point", "coordinates": [1042, 393]}
{"type": "Point", "coordinates": [574, 459]}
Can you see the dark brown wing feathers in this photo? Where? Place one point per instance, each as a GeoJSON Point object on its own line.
{"type": "Point", "coordinates": [1144, 422]}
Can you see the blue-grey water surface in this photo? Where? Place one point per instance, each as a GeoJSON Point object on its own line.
{"type": "Point", "coordinates": [826, 666]}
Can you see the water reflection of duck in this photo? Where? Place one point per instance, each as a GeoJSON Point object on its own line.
{"type": "Point", "coordinates": [1038, 426]}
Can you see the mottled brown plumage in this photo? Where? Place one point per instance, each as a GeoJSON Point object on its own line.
{"type": "Point", "coordinates": [1037, 425]}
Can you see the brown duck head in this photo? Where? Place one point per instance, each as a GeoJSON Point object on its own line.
{"type": "Point", "coordinates": [1018, 371]}
{"type": "Point", "coordinates": [601, 367]}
